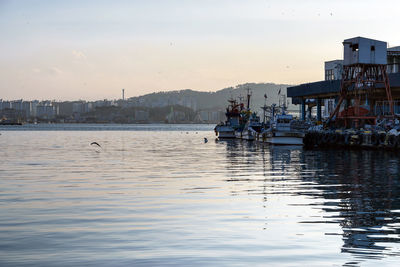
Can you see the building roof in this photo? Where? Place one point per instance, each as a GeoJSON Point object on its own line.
{"type": "Point", "coordinates": [394, 48]}
{"type": "Point", "coordinates": [327, 89]}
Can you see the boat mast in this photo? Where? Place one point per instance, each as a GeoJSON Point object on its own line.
{"type": "Point", "coordinates": [273, 111]}
{"type": "Point", "coordinates": [232, 102]}
{"type": "Point", "coordinates": [284, 108]}
{"type": "Point", "coordinates": [265, 106]}
{"type": "Point", "coordinates": [248, 98]}
{"type": "Point", "coordinates": [241, 102]}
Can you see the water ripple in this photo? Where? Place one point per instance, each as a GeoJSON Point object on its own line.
{"type": "Point", "coordinates": [159, 196]}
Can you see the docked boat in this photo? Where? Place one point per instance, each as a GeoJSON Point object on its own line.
{"type": "Point", "coordinates": [9, 122]}
{"type": "Point", "coordinates": [281, 131]}
{"type": "Point", "coordinates": [227, 129]}
{"type": "Point", "coordinates": [252, 129]}
{"type": "Point", "coordinates": [223, 131]}
{"type": "Point", "coordinates": [250, 126]}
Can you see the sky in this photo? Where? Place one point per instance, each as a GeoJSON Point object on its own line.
{"type": "Point", "coordinates": [70, 50]}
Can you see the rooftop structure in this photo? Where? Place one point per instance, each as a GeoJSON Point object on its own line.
{"type": "Point", "coordinates": [333, 70]}
{"type": "Point", "coordinates": [360, 50]}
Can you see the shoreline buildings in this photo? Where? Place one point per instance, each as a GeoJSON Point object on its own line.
{"type": "Point", "coordinates": [138, 110]}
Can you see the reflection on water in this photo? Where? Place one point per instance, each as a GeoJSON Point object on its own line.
{"type": "Point", "coordinates": [358, 190]}
{"type": "Point", "coordinates": [365, 188]}
{"type": "Point", "coordinates": [161, 197]}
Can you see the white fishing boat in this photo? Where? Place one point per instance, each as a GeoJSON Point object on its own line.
{"type": "Point", "coordinates": [252, 129]}
{"type": "Point", "coordinates": [281, 131]}
{"type": "Point", "coordinates": [226, 130]}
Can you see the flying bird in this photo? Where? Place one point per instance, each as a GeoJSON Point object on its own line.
{"type": "Point", "coordinates": [95, 143]}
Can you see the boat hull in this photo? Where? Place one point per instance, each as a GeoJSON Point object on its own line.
{"type": "Point", "coordinates": [284, 138]}
{"type": "Point", "coordinates": [239, 134]}
{"type": "Point", "coordinates": [226, 135]}
{"type": "Point", "coordinates": [224, 132]}
{"type": "Point", "coordinates": [247, 135]}
{"type": "Point", "coordinates": [284, 141]}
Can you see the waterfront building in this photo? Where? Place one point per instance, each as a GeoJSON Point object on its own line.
{"type": "Point", "coordinates": [326, 93]}
{"type": "Point", "coordinates": [45, 111]}
{"type": "Point", "coordinates": [5, 105]}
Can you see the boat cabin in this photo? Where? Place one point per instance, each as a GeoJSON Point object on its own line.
{"type": "Point", "coordinates": [282, 122]}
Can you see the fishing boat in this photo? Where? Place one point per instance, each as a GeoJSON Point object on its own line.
{"type": "Point", "coordinates": [227, 129]}
{"type": "Point", "coordinates": [9, 122]}
{"type": "Point", "coordinates": [249, 123]}
{"type": "Point", "coordinates": [281, 131]}
{"type": "Point", "coordinates": [253, 128]}
{"type": "Point", "coordinates": [223, 131]}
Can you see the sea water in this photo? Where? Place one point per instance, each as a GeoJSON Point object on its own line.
{"type": "Point", "coordinates": [157, 195]}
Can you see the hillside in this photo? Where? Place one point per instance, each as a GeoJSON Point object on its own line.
{"type": "Point", "coordinates": [213, 100]}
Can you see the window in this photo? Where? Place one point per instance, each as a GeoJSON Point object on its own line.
{"type": "Point", "coordinates": [354, 47]}
{"type": "Point", "coordinates": [329, 75]}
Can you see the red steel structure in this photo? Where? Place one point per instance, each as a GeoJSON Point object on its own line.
{"type": "Point", "coordinates": [361, 83]}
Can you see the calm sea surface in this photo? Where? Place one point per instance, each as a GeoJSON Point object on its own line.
{"type": "Point", "coordinates": [159, 195]}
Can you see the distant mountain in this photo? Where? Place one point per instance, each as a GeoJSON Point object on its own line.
{"type": "Point", "coordinates": [213, 100]}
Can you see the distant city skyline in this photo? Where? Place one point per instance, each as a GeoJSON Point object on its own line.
{"type": "Point", "coordinates": [69, 50]}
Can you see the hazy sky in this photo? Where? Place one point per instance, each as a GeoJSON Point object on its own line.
{"type": "Point", "coordinates": [69, 50]}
